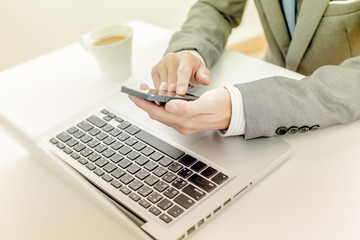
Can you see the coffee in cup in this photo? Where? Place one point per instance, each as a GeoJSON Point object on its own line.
{"type": "Point", "coordinates": [111, 46]}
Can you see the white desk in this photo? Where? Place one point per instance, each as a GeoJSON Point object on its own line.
{"type": "Point", "coordinates": [313, 195]}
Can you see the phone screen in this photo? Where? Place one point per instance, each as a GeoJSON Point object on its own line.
{"type": "Point", "coordinates": [157, 95]}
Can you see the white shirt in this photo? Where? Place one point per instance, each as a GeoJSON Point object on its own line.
{"type": "Point", "coordinates": [237, 121]}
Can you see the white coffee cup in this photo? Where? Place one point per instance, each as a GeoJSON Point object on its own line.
{"type": "Point", "coordinates": [111, 45]}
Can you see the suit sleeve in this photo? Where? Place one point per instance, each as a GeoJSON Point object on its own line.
{"type": "Point", "coordinates": [207, 28]}
{"type": "Point", "coordinates": [330, 96]}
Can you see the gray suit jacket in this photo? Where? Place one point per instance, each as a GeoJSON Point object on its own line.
{"type": "Point", "coordinates": [325, 47]}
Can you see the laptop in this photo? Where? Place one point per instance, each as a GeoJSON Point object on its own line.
{"type": "Point", "coordinates": [168, 184]}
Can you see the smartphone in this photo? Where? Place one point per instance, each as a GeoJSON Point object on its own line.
{"type": "Point", "coordinates": [155, 95]}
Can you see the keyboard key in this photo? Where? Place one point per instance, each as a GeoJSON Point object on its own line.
{"type": "Point", "coordinates": [83, 161]}
{"type": "Point", "coordinates": [159, 171]}
{"type": "Point", "coordinates": [93, 132]}
{"type": "Point", "coordinates": [60, 145]}
{"type": "Point", "coordinates": [151, 180]}
{"type": "Point", "coordinates": [197, 167]}
{"type": "Point", "coordinates": [142, 174]}
{"type": "Point", "coordinates": [86, 139]}
{"type": "Point", "coordinates": [165, 161]}
{"type": "Point", "coordinates": [126, 179]}
{"type": "Point", "coordinates": [115, 132]}
{"type": "Point", "coordinates": [116, 158]}
{"type": "Point", "coordinates": [159, 144]}
{"type": "Point", "coordinates": [133, 168]}
{"type": "Point", "coordinates": [184, 201]}
{"type": "Point", "coordinates": [141, 160]}
{"type": "Point", "coordinates": [93, 157]}
{"type": "Point", "coordinates": [86, 126]}
{"type": "Point", "coordinates": [147, 151]}
{"type": "Point", "coordinates": [79, 147]}
{"type": "Point", "coordinates": [154, 210]}
{"type": "Point", "coordinates": [164, 204]}
{"type": "Point", "coordinates": [109, 140]}
{"type": "Point", "coordinates": [107, 178]}
{"type": "Point", "coordinates": [185, 173]}
{"type": "Point", "coordinates": [208, 172]}
{"type": "Point", "coordinates": [139, 146]}
{"type": "Point", "coordinates": [125, 150]}
{"type": "Point", "coordinates": [133, 155]}
{"type": "Point", "coordinates": [105, 111]}
{"type": "Point", "coordinates": [101, 162]}
{"type": "Point", "coordinates": [175, 211]}
{"type": "Point", "coordinates": [110, 167]}
{"type": "Point", "coordinates": [169, 177]}
{"type": "Point", "coordinates": [119, 119]}
{"type": "Point", "coordinates": [161, 186]}
{"type": "Point", "coordinates": [79, 134]}
{"type": "Point", "coordinates": [145, 191]}
{"type": "Point", "coordinates": [165, 218]}
{"type": "Point", "coordinates": [74, 155]}
{"type": "Point", "coordinates": [150, 166]}
{"type": "Point", "coordinates": [93, 143]}
{"type": "Point", "coordinates": [116, 184]}
{"type": "Point", "coordinates": [135, 185]}
{"type": "Point", "coordinates": [72, 130]}
{"type": "Point", "coordinates": [171, 192]}
{"type": "Point", "coordinates": [219, 178]}
{"type": "Point", "coordinates": [108, 128]}
{"type": "Point", "coordinates": [187, 160]}
{"type": "Point", "coordinates": [53, 141]}
{"type": "Point", "coordinates": [68, 150]}
{"type": "Point", "coordinates": [134, 197]}
{"type": "Point", "coordinates": [202, 182]}
{"type": "Point", "coordinates": [100, 148]}
{"type": "Point", "coordinates": [116, 145]}
{"type": "Point", "coordinates": [123, 125]}
{"type": "Point", "coordinates": [123, 137]}
{"type": "Point", "coordinates": [154, 197]}
{"type": "Point", "coordinates": [107, 118]}
{"type": "Point", "coordinates": [125, 190]}
{"type": "Point", "coordinates": [156, 156]}
{"type": "Point", "coordinates": [179, 183]}
{"type": "Point", "coordinates": [108, 153]}
{"type": "Point", "coordinates": [131, 141]}
{"type": "Point", "coordinates": [96, 121]}
{"type": "Point", "coordinates": [124, 163]}
{"type": "Point", "coordinates": [117, 173]}
{"type": "Point", "coordinates": [86, 152]}
{"type": "Point", "coordinates": [101, 136]}
{"type": "Point", "coordinates": [72, 142]}
{"type": "Point", "coordinates": [194, 192]}
{"type": "Point", "coordinates": [174, 167]}
{"type": "Point", "coordinates": [99, 172]}
{"type": "Point", "coordinates": [90, 166]}
{"type": "Point", "coordinates": [64, 137]}
{"type": "Point", "coordinates": [132, 129]}
{"type": "Point", "coordinates": [144, 203]}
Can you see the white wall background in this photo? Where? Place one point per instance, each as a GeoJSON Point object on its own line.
{"type": "Point", "coordinates": [32, 28]}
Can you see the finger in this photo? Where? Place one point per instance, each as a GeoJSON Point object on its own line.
{"type": "Point", "coordinates": [202, 75]}
{"type": "Point", "coordinates": [183, 74]}
{"type": "Point", "coordinates": [163, 72]}
{"type": "Point", "coordinates": [156, 76]}
{"type": "Point", "coordinates": [172, 63]}
{"type": "Point", "coordinates": [186, 108]}
{"type": "Point", "coordinates": [144, 86]}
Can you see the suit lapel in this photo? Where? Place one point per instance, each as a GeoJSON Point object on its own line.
{"type": "Point", "coordinates": [275, 18]}
{"type": "Point", "coordinates": [309, 17]}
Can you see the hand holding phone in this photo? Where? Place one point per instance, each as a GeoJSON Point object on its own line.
{"type": "Point", "coordinates": [155, 95]}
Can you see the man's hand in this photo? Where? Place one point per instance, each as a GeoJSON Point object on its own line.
{"type": "Point", "coordinates": [176, 70]}
{"type": "Point", "coordinates": [211, 111]}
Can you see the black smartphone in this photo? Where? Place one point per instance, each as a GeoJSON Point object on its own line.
{"type": "Point", "coordinates": [155, 95]}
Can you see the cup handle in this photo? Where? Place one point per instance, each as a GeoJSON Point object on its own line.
{"type": "Point", "coordinates": [82, 42]}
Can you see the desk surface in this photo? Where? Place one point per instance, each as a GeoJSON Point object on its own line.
{"type": "Point", "coordinates": [313, 195]}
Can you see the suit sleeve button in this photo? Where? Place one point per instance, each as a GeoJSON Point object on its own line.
{"type": "Point", "coordinates": [304, 129]}
{"type": "Point", "coordinates": [292, 130]}
{"type": "Point", "coordinates": [281, 131]}
{"type": "Point", "coordinates": [314, 128]}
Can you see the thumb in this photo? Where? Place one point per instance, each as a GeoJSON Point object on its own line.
{"type": "Point", "coordinates": [202, 75]}
{"type": "Point", "coordinates": [185, 108]}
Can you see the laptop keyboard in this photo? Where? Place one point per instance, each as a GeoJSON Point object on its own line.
{"type": "Point", "coordinates": [160, 177]}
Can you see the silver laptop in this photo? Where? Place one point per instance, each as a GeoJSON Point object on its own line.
{"type": "Point", "coordinates": [167, 183]}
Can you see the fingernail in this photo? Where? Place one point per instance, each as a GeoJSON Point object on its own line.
{"type": "Point", "coordinates": [172, 87]}
{"type": "Point", "coordinates": [162, 86]}
{"type": "Point", "coordinates": [180, 90]}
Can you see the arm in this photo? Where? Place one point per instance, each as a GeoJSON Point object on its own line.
{"type": "Point", "coordinates": [331, 95]}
